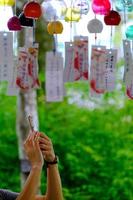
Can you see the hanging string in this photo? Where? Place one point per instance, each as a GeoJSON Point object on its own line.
{"type": "Point", "coordinates": [111, 36]}
{"type": "Point", "coordinates": [54, 43]}
{"type": "Point", "coordinates": [54, 37]}
{"type": "Point", "coordinates": [15, 34]}
{"type": "Point", "coordinates": [4, 9]}
{"type": "Point", "coordinates": [125, 20]}
{"type": "Point", "coordinates": [81, 9]}
{"type": "Point", "coordinates": [81, 15]}
{"type": "Point", "coordinates": [71, 24]}
{"type": "Point", "coordinates": [34, 31]}
{"type": "Point", "coordinates": [111, 30]}
{"type": "Point", "coordinates": [95, 34]}
{"type": "Point", "coordinates": [15, 8]}
{"type": "Point", "coordinates": [4, 5]}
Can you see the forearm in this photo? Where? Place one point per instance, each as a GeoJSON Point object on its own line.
{"type": "Point", "coordinates": [32, 184]}
{"type": "Point", "coordinates": [54, 187]}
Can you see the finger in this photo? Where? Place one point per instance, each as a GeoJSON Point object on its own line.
{"type": "Point", "coordinates": [42, 135]}
{"type": "Point", "coordinates": [45, 141]}
{"type": "Point", "coordinates": [45, 147]}
{"type": "Point", "coordinates": [27, 141]}
{"type": "Point", "coordinates": [37, 134]}
{"type": "Point", "coordinates": [36, 139]}
{"type": "Point", "coordinates": [31, 135]}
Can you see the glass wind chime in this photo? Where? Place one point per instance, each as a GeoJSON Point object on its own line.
{"type": "Point", "coordinates": [103, 59]}
{"type": "Point", "coordinates": [127, 7]}
{"type": "Point", "coordinates": [27, 69]}
{"type": "Point", "coordinates": [53, 12]}
{"type": "Point", "coordinates": [76, 50]}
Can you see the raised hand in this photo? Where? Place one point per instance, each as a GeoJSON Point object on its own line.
{"type": "Point", "coordinates": [32, 149]}
{"type": "Point", "coordinates": [46, 147]}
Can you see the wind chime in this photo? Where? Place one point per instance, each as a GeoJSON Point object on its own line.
{"type": "Point", "coordinates": [127, 7]}
{"type": "Point", "coordinates": [103, 59]}
{"type": "Point", "coordinates": [27, 64]}
{"type": "Point", "coordinates": [76, 50]}
{"type": "Point", "coordinates": [53, 12]}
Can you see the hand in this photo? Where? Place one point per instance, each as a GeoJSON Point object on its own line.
{"type": "Point", "coordinates": [32, 149]}
{"type": "Point", "coordinates": [46, 147]}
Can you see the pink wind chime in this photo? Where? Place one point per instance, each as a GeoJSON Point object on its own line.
{"type": "Point", "coordinates": [103, 59]}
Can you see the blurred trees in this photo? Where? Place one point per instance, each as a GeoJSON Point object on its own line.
{"type": "Point", "coordinates": [94, 148]}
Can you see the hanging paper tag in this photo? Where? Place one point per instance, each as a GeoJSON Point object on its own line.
{"type": "Point", "coordinates": [69, 64]}
{"type": "Point", "coordinates": [80, 58]}
{"type": "Point", "coordinates": [22, 79]}
{"type": "Point", "coordinates": [128, 70]}
{"type": "Point", "coordinates": [6, 55]}
{"type": "Point", "coordinates": [54, 77]}
{"type": "Point", "coordinates": [33, 66]}
{"type": "Point", "coordinates": [111, 58]}
{"type": "Point", "coordinates": [97, 69]}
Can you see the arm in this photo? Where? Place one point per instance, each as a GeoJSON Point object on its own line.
{"type": "Point", "coordinates": [54, 187]}
{"type": "Point", "coordinates": [34, 154]}
{"type": "Point", "coordinates": [31, 186]}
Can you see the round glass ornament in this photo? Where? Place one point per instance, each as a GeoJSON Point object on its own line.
{"type": "Point", "coordinates": [95, 26]}
{"type": "Point", "coordinates": [53, 9]}
{"type": "Point", "coordinates": [129, 32]}
{"type": "Point", "coordinates": [121, 7]}
{"type": "Point", "coordinates": [82, 6]}
{"type": "Point", "coordinates": [25, 22]}
{"type": "Point", "coordinates": [113, 18]}
{"type": "Point", "coordinates": [101, 7]}
{"type": "Point", "coordinates": [55, 27]}
{"type": "Point", "coordinates": [72, 15]}
{"type": "Point", "coordinates": [32, 10]}
{"type": "Point", "coordinates": [14, 24]}
{"type": "Point", "coordinates": [7, 2]}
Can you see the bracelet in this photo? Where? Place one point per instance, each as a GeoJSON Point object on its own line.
{"type": "Point", "coordinates": [55, 161]}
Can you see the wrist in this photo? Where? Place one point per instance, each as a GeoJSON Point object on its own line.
{"type": "Point", "coordinates": [52, 162]}
{"type": "Point", "coordinates": [50, 158]}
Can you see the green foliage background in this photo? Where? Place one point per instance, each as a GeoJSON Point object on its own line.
{"type": "Point", "coordinates": [95, 148]}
